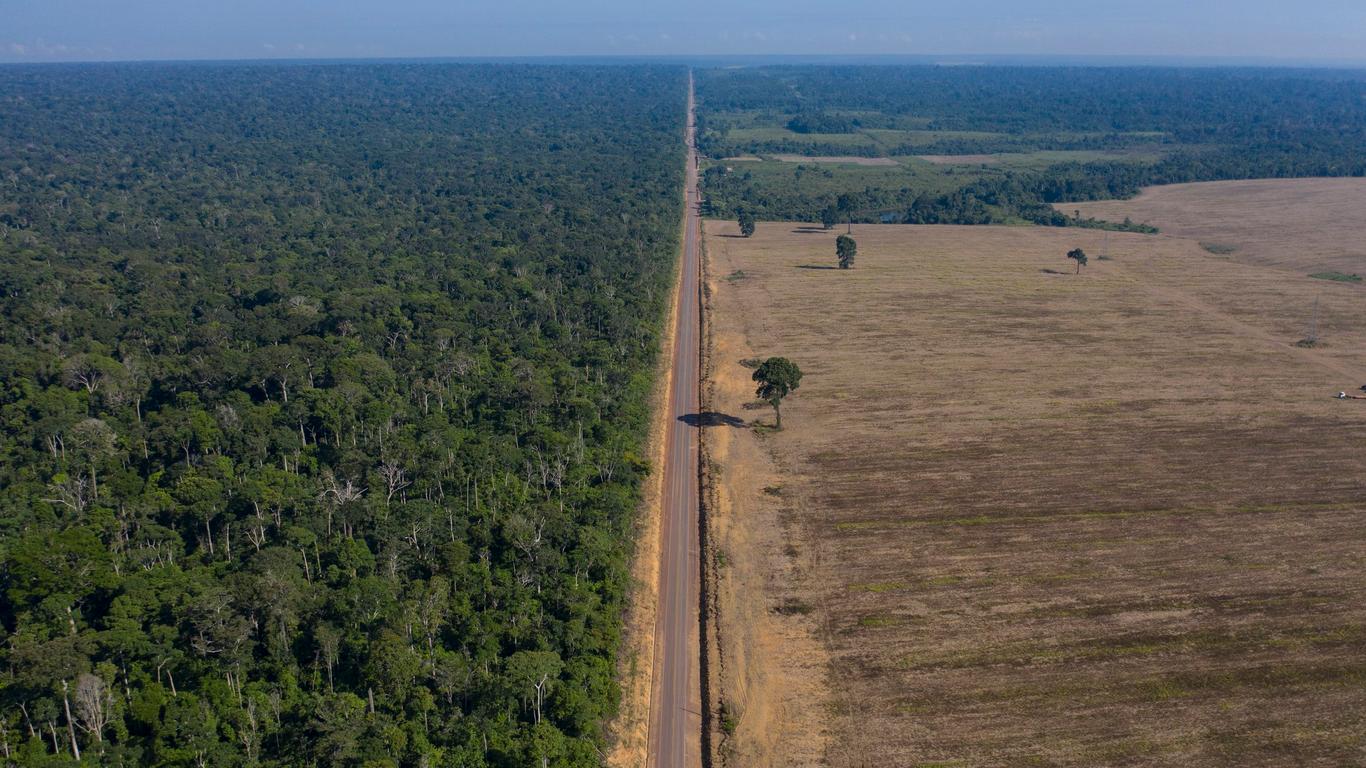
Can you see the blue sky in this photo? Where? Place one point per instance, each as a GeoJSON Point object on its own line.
{"type": "Point", "coordinates": [57, 30]}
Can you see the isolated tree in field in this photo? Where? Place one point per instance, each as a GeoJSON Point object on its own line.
{"type": "Point", "coordinates": [746, 220]}
{"type": "Point", "coordinates": [778, 377]}
{"type": "Point", "coordinates": [1079, 256]}
{"type": "Point", "coordinates": [829, 217]}
{"type": "Point", "coordinates": [846, 249]}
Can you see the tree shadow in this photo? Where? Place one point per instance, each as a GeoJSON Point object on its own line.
{"type": "Point", "coordinates": [810, 231]}
{"type": "Point", "coordinates": [711, 419]}
{"type": "Point", "coordinates": [815, 266]}
{"type": "Point", "coordinates": [1054, 272]}
{"type": "Point", "coordinates": [735, 237]}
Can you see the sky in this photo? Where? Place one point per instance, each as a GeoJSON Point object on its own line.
{"type": "Point", "coordinates": [98, 30]}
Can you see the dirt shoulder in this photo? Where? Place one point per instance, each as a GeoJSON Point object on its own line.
{"type": "Point", "coordinates": [629, 733]}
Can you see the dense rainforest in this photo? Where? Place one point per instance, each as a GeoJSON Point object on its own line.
{"type": "Point", "coordinates": [322, 392]}
{"type": "Point", "coordinates": [1127, 127]}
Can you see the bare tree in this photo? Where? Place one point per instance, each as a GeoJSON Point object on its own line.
{"type": "Point", "coordinates": [70, 491]}
{"type": "Point", "coordinates": [250, 732]}
{"type": "Point", "coordinates": [94, 704]}
{"type": "Point", "coordinates": [336, 494]}
{"type": "Point", "coordinates": [395, 479]}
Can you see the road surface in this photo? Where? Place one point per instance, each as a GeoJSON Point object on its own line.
{"type": "Point", "coordinates": [675, 722]}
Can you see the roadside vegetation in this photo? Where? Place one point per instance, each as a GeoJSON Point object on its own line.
{"type": "Point", "coordinates": [323, 394]}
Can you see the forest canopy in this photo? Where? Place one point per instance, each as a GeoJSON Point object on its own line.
{"type": "Point", "coordinates": [1028, 137]}
{"type": "Point", "coordinates": [323, 390]}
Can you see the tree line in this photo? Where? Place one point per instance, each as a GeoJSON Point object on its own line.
{"type": "Point", "coordinates": [1208, 125]}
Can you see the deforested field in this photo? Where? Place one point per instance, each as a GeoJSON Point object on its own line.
{"type": "Point", "coordinates": [1024, 517]}
{"type": "Point", "coordinates": [1302, 224]}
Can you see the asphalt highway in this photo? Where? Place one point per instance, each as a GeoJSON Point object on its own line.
{"type": "Point", "coordinates": [675, 722]}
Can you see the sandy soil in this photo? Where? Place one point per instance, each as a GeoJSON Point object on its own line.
{"type": "Point", "coordinates": [1304, 225]}
{"type": "Point", "coordinates": [1032, 518]}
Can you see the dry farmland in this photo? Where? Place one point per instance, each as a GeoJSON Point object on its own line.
{"type": "Point", "coordinates": [1024, 517]}
{"type": "Point", "coordinates": [1307, 225]}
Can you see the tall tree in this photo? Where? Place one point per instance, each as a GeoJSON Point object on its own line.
{"type": "Point", "coordinates": [845, 250]}
{"type": "Point", "coordinates": [829, 217]}
{"type": "Point", "coordinates": [746, 221]}
{"type": "Point", "coordinates": [1079, 256]}
{"type": "Point", "coordinates": [778, 377]}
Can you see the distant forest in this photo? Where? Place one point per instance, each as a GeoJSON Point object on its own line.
{"type": "Point", "coordinates": [322, 395]}
{"type": "Point", "coordinates": [1205, 125]}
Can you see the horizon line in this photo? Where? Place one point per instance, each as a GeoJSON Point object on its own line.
{"type": "Point", "coordinates": [929, 59]}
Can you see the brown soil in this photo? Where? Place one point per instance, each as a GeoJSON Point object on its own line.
{"type": "Point", "coordinates": [1032, 518]}
{"type": "Point", "coordinates": [1305, 225]}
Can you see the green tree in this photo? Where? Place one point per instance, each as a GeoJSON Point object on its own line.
{"type": "Point", "coordinates": [746, 221]}
{"type": "Point", "coordinates": [829, 217]}
{"type": "Point", "coordinates": [778, 377]}
{"type": "Point", "coordinates": [533, 674]}
{"type": "Point", "coordinates": [846, 249]}
{"type": "Point", "coordinates": [1079, 256]}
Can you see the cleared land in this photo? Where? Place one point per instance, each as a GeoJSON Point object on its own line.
{"type": "Point", "coordinates": [1044, 158]}
{"type": "Point", "coordinates": [1021, 517]}
{"type": "Point", "coordinates": [960, 159]}
{"type": "Point", "coordinates": [1306, 225]}
{"type": "Point", "coordinates": [836, 159]}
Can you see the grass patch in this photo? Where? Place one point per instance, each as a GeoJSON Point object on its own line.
{"type": "Point", "coordinates": [792, 607]}
{"type": "Point", "coordinates": [1163, 690]}
{"type": "Point", "coordinates": [729, 722]}
{"type": "Point", "coordinates": [878, 620]}
{"type": "Point", "coordinates": [1219, 249]}
{"type": "Point", "coordinates": [880, 587]}
{"type": "Point", "coordinates": [1336, 277]}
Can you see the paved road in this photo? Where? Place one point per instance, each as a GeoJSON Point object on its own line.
{"type": "Point", "coordinates": [675, 722]}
